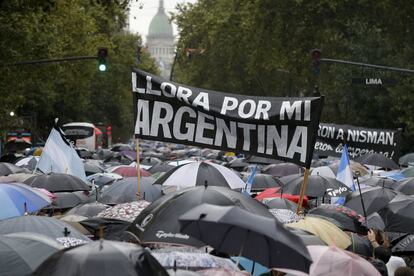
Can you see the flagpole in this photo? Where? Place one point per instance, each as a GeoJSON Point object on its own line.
{"type": "Point", "coordinates": [303, 190]}
{"type": "Point", "coordinates": [362, 200]}
{"type": "Point", "coordinates": [138, 168]}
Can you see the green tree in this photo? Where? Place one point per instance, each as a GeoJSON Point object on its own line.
{"type": "Point", "coordinates": [262, 47]}
{"type": "Point", "coordinates": [72, 91]}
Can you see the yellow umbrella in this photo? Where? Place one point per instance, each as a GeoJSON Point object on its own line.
{"type": "Point", "coordinates": [326, 230]}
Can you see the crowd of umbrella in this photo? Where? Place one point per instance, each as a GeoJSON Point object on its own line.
{"type": "Point", "coordinates": [189, 214]}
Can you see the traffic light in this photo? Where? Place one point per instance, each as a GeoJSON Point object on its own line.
{"type": "Point", "coordinates": [102, 55]}
{"type": "Point", "coordinates": [316, 61]}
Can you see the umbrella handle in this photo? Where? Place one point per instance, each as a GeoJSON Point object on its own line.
{"type": "Point", "coordinates": [96, 190]}
{"type": "Point", "coordinates": [242, 247]}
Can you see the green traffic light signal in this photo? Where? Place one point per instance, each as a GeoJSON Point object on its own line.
{"type": "Point", "coordinates": [102, 54]}
{"type": "Point", "coordinates": [102, 67]}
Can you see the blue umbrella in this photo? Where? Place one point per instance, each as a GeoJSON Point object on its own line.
{"type": "Point", "coordinates": [17, 199]}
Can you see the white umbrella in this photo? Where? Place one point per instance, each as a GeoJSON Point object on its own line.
{"type": "Point", "coordinates": [323, 171]}
{"type": "Point", "coordinates": [199, 174]}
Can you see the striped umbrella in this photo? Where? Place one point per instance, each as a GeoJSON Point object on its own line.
{"type": "Point", "coordinates": [199, 174]}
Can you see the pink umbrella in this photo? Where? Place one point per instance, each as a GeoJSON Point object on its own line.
{"type": "Point", "coordinates": [127, 171]}
{"type": "Point", "coordinates": [331, 260]}
{"type": "Point", "coordinates": [50, 195]}
{"type": "Point", "coordinates": [222, 272]}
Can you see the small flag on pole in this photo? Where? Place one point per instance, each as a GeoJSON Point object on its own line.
{"type": "Point", "coordinates": [249, 181]}
{"type": "Point", "coordinates": [344, 174]}
{"type": "Point", "coordinates": [59, 156]}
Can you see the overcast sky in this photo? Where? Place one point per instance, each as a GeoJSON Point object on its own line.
{"type": "Point", "coordinates": [142, 11]}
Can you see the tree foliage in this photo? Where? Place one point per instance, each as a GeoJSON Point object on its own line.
{"type": "Point", "coordinates": [262, 47]}
{"type": "Point", "coordinates": [71, 91]}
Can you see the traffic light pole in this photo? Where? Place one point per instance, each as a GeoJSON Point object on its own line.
{"type": "Point", "coordinates": [53, 60]}
{"type": "Point", "coordinates": [329, 60]}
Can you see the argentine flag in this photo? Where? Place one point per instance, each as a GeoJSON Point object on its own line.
{"type": "Point", "coordinates": [59, 156]}
{"type": "Point", "coordinates": [249, 181]}
{"type": "Point", "coordinates": [345, 174]}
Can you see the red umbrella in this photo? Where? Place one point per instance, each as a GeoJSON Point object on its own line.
{"type": "Point", "coordinates": [127, 171]}
{"type": "Point", "coordinates": [274, 192]}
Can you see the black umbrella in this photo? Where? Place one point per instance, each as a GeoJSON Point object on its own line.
{"type": "Point", "coordinates": [10, 158]}
{"type": "Point", "coordinates": [282, 169]}
{"type": "Point", "coordinates": [348, 218]}
{"type": "Point", "coordinates": [288, 178]}
{"type": "Point", "coordinates": [163, 167]}
{"type": "Point", "coordinates": [88, 209]}
{"type": "Point", "coordinates": [22, 253]}
{"type": "Point", "coordinates": [307, 237]}
{"type": "Point", "coordinates": [121, 147]}
{"type": "Point", "coordinates": [377, 159]}
{"type": "Point", "coordinates": [151, 161]}
{"type": "Point", "coordinates": [118, 159]}
{"type": "Point", "coordinates": [102, 179]}
{"type": "Point", "coordinates": [374, 221]}
{"type": "Point", "coordinates": [384, 182]}
{"type": "Point", "coordinates": [84, 153]}
{"type": "Point", "coordinates": [112, 229]}
{"type": "Point", "coordinates": [406, 186]}
{"type": "Point", "coordinates": [232, 230]}
{"type": "Point", "coordinates": [51, 227]}
{"type": "Point", "coordinates": [398, 214]}
{"type": "Point", "coordinates": [92, 168]}
{"type": "Point", "coordinates": [17, 146]}
{"type": "Point", "coordinates": [360, 245]}
{"type": "Point", "coordinates": [318, 186]}
{"type": "Point", "coordinates": [406, 159]}
{"type": "Point", "coordinates": [102, 258]}
{"type": "Point", "coordinates": [404, 246]}
{"type": "Point", "coordinates": [159, 221]}
{"type": "Point", "coordinates": [57, 182]}
{"type": "Point", "coordinates": [9, 168]}
{"type": "Point", "coordinates": [261, 160]}
{"type": "Point", "coordinates": [66, 200]}
{"type": "Point", "coordinates": [237, 164]}
{"type": "Point", "coordinates": [374, 199]}
{"type": "Point", "coordinates": [280, 203]}
{"type": "Point", "coordinates": [395, 237]}
{"type": "Point", "coordinates": [126, 190]}
{"type": "Point", "coordinates": [263, 181]}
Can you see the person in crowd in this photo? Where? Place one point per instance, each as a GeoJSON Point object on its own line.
{"type": "Point", "coordinates": [394, 263]}
{"type": "Point", "coordinates": [377, 238]}
{"type": "Point", "coordinates": [383, 252]}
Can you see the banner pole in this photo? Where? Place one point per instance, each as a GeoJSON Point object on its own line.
{"type": "Point", "coordinates": [303, 190]}
{"type": "Point", "coordinates": [138, 168]}
{"type": "Point", "coordinates": [362, 200]}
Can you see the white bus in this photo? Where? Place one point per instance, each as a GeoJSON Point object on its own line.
{"type": "Point", "coordinates": [84, 135]}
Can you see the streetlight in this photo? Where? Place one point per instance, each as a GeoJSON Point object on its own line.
{"type": "Point", "coordinates": [12, 113]}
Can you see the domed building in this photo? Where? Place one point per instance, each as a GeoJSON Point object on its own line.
{"type": "Point", "coordinates": [160, 41]}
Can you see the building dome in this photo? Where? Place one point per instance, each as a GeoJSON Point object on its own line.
{"type": "Point", "coordinates": [160, 26]}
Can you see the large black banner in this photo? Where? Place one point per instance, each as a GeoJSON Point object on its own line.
{"type": "Point", "coordinates": [280, 128]}
{"type": "Point", "coordinates": [360, 141]}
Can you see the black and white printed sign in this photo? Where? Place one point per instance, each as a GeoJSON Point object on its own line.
{"type": "Point", "coordinates": [280, 128]}
{"type": "Point", "coordinates": [360, 141]}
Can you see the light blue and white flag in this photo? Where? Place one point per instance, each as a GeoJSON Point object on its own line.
{"type": "Point", "coordinates": [250, 179]}
{"type": "Point", "coordinates": [59, 156]}
{"type": "Point", "coordinates": [344, 174]}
